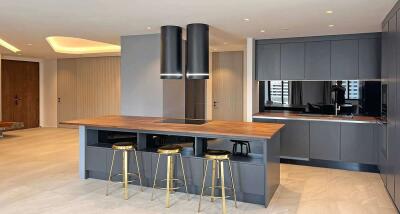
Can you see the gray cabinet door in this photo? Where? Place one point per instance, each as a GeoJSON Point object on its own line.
{"type": "Point", "coordinates": [295, 139]}
{"type": "Point", "coordinates": [358, 143]}
{"type": "Point", "coordinates": [385, 51]}
{"type": "Point", "coordinates": [268, 62]}
{"type": "Point", "coordinates": [96, 159]}
{"type": "Point", "coordinates": [391, 108]}
{"type": "Point", "coordinates": [369, 58]}
{"type": "Point", "coordinates": [344, 64]}
{"type": "Point", "coordinates": [251, 178]}
{"type": "Point", "coordinates": [318, 60]}
{"type": "Point", "coordinates": [382, 142]}
{"type": "Point", "coordinates": [292, 61]}
{"type": "Point", "coordinates": [325, 140]}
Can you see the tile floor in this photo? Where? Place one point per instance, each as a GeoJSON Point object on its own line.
{"type": "Point", "coordinates": [38, 174]}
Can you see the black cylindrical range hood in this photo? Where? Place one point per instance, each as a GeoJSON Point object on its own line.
{"type": "Point", "coordinates": [197, 51]}
{"type": "Point", "coordinates": [171, 52]}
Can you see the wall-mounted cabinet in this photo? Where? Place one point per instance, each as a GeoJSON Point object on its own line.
{"type": "Point", "coordinates": [341, 57]}
{"type": "Point", "coordinates": [344, 64]}
{"type": "Point", "coordinates": [268, 61]}
{"type": "Point", "coordinates": [292, 61]}
{"type": "Point", "coordinates": [318, 60]}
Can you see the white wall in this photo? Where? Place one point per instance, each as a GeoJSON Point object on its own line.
{"type": "Point", "coordinates": [48, 93]}
{"type": "Point", "coordinates": [251, 84]}
{"type": "Point", "coordinates": [141, 86]}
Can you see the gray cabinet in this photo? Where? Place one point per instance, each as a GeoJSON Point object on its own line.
{"type": "Point", "coordinates": [344, 64]}
{"type": "Point", "coordinates": [96, 159]}
{"type": "Point", "coordinates": [318, 60]}
{"type": "Point", "coordinates": [385, 51]}
{"type": "Point", "coordinates": [358, 143]}
{"type": "Point", "coordinates": [391, 109]}
{"type": "Point", "coordinates": [381, 139]}
{"type": "Point", "coordinates": [369, 58]}
{"type": "Point", "coordinates": [268, 62]}
{"type": "Point", "coordinates": [251, 176]}
{"type": "Point", "coordinates": [295, 139]}
{"type": "Point", "coordinates": [292, 61]}
{"type": "Point", "coordinates": [325, 140]}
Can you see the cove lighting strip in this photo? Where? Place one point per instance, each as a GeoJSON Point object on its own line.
{"type": "Point", "coordinates": [9, 46]}
{"type": "Point", "coordinates": [171, 75]}
{"type": "Point", "coordinates": [73, 45]}
{"type": "Point", "coordinates": [193, 75]}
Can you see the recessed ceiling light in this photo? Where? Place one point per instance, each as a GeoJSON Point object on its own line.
{"type": "Point", "coordinates": [19, 54]}
{"type": "Point", "coordinates": [29, 44]}
{"type": "Point", "coordinates": [246, 19]}
{"type": "Point", "coordinates": [72, 45]}
{"type": "Point", "coordinates": [329, 12]}
{"type": "Point", "coordinates": [225, 43]}
{"type": "Point", "coordinates": [149, 28]}
{"type": "Point", "coordinates": [262, 31]}
{"type": "Point", "coordinates": [331, 25]}
{"type": "Point", "coordinates": [284, 28]}
{"type": "Point", "coordinates": [9, 46]}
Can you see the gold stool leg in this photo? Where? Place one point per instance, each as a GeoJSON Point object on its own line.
{"type": "Point", "coordinates": [171, 174]}
{"type": "Point", "coordinates": [184, 177]}
{"type": "Point", "coordinates": [168, 181]}
{"type": "Point", "coordinates": [214, 162]}
{"type": "Point", "coordinates": [138, 169]}
{"type": "Point", "coordinates": [223, 187]}
{"type": "Point", "coordinates": [155, 177]}
{"type": "Point", "coordinates": [125, 172]}
{"type": "Point", "coordinates": [204, 181]}
{"type": "Point", "coordinates": [110, 174]}
{"type": "Point", "coordinates": [233, 182]}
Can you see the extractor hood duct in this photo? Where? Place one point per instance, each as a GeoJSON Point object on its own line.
{"type": "Point", "coordinates": [171, 52]}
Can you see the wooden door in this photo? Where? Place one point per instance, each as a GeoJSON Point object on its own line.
{"type": "Point", "coordinates": [20, 92]}
{"type": "Point", "coordinates": [227, 85]}
{"type": "Point", "coordinates": [66, 90]}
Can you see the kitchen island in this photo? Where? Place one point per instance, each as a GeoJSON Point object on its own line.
{"type": "Point", "coordinates": [256, 176]}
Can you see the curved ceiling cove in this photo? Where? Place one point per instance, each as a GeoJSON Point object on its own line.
{"type": "Point", "coordinates": [73, 45]}
{"type": "Point", "coordinates": [9, 46]}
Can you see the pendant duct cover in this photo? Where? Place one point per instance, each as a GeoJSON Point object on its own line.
{"type": "Point", "coordinates": [197, 51]}
{"type": "Point", "coordinates": [171, 52]}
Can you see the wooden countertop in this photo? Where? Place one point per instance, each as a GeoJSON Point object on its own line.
{"type": "Point", "coordinates": [333, 118]}
{"type": "Point", "coordinates": [215, 128]}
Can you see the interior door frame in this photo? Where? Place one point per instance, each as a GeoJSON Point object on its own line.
{"type": "Point", "coordinates": [36, 122]}
{"type": "Point", "coordinates": [242, 79]}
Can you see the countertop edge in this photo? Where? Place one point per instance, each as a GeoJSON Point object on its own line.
{"type": "Point", "coordinates": [315, 119]}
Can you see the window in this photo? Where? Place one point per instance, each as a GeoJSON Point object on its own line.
{"type": "Point", "coordinates": [277, 92]}
{"type": "Point", "coordinates": [352, 89]}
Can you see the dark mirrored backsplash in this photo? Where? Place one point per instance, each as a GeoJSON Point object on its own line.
{"type": "Point", "coordinates": [346, 97]}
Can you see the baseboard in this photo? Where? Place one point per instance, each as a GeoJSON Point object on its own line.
{"type": "Point", "coordinates": [334, 165]}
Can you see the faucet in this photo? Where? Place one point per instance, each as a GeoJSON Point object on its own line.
{"type": "Point", "coordinates": [337, 108]}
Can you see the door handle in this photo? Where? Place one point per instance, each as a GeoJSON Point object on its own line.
{"type": "Point", "coordinates": [215, 103]}
{"type": "Point", "coordinates": [17, 99]}
{"type": "Point", "coordinates": [59, 100]}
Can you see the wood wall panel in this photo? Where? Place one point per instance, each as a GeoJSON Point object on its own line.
{"type": "Point", "coordinates": [96, 83]}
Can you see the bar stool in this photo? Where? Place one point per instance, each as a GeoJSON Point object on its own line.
{"type": "Point", "coordinates": [170, 151]}
{"type": "Point", "coordinates": [124, 147]}
{"type": "Point", "coordinates": [218, 157]}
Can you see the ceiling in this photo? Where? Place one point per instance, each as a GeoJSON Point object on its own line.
{"type": "Point", "coordinates": [26, 24]}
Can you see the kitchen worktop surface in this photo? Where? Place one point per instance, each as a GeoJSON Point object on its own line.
{"type": "Point", "coordinates": [214, 128]}
{"type": "Point", "coordinates": [280, 115]}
